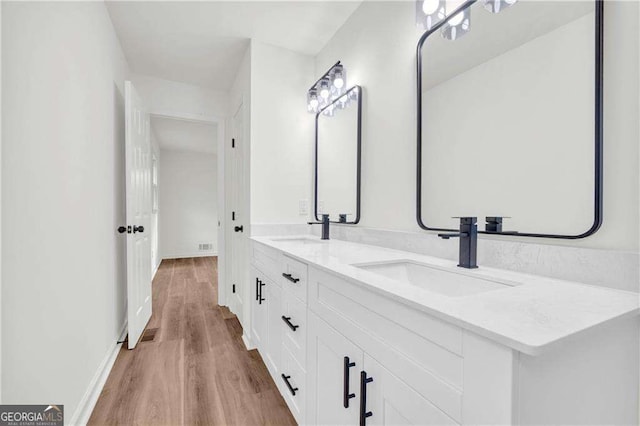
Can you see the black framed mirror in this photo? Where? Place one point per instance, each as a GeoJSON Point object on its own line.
{"type": "Point", "coordinates": [338, 147]}
{"type": "Point", "coordinates": [509, 121]}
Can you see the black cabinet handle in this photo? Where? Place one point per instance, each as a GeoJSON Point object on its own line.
{"type": "Point", "coordinates": [290, 278]}
{"type": "Point", "coordinates": [260, 298]}
{"type": "Point", "coordinates": [346, 395]}
{"type": "Point", "coordinates": [291, 388]}
{"type": "Point", "coordinates": [122, 229]}
{"type": "Point", "coordinates": [363, 398]}
{"type": "Point", "coordinates": [239, 228]}
{"type": "Point", "coordinates": [288, 321]}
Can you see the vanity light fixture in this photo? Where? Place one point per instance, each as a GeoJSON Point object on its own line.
{"type": "Point", "coordinates": [327, 89]}
{"type": "Point", "coordinates": [496, 6]}
{"type": "Point", "coordinates": [432, 12]}
{"type": "Point", "coordinates": [429, 12]}
{"type": "Point", "coordinates": [457, 25]}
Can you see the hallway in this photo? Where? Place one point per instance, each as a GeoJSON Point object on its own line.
{"type": "Point", "coordinates": [195, 370]}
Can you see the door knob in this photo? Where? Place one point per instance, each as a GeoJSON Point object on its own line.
{"type": "Point", "coordinates": [238, 228]}
{"type": "Point", "coordinates": [138, 228]}
{"type": "Point", "coordinates": [122, 229]}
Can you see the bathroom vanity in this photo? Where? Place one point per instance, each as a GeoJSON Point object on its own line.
{"type": "Point", "coordinates": [358, 334]}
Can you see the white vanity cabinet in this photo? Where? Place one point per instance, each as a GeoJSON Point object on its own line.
{"type": "Point", "coordinates": [266, 330]}
{"type": "Point", "coordinates": [342, 352]}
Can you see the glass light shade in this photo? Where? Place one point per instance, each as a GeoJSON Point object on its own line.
{"type": "Point", "coordinates": [496, 6]}
{"type": "Point", "coordinates": [325, 90]}
{"type": "Point", "coordinates": [458, 25]}
{"type": "Point", "coordinates": [312, 101]}
{"type": "Point", "coordinates": [329, 111]}
{"type": "Point", "coordinates": [339, 77]}
{"type": "Point", "coordinates": [429, 12]}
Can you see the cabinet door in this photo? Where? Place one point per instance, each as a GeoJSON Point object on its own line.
{"type": "Point", "coordinates": [387, 400]}
{"type": "Point", "coordinates": [258, 311]}
{"type": "Point", "coordinates": [273, 295]}
{"type": "Point", "coordinates": [334, 364]}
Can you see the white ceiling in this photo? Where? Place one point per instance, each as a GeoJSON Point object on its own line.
{"type": "Point", "coordinates": [185, 135]}
{"type": "Point", "coordinates": [203, 43]}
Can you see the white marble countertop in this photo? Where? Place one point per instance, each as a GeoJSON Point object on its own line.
{"type": "Point", "coordinates": [530, 317]}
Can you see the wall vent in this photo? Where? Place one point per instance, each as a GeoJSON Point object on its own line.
{"type": "Point", "coordinates": [205, 246]}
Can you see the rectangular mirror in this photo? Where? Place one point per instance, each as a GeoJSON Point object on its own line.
{"type": "Point", "coordinates": [510, 118]}
{"type": "Point", "coordinates": [337, 153]}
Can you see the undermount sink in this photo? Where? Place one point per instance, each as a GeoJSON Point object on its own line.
{"type": "Point", "coordinates": [445, 281]}
{"type": "Point", "coordinates": [302, 240]}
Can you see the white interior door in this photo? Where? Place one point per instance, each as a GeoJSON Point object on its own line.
{"type": "Point", "coordinates": [238, 219]}
{"type": "Point", "coordinates": [138, 189]}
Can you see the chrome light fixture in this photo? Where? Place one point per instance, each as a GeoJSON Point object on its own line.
{"type": "Point", "coordinates": [331, 86]}
{"type": "Point", "coordinates": [429, 12]}
{"type": "Point", "coordinates": [496, 6]}
{"type": "Point", "coordinates": [457, 25]}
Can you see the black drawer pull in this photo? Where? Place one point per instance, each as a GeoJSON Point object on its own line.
{"type": "Point", "coordinates": [291, 388]}
{"type": "Point", "coordinates": [288, 321]}
{"type": "Point", "coordinates": [346, 395]}
{"type": "Point", "coordinates": [260, 298]}
{"type": "Point", "coordinates": [363, 398]}
{"type": "Point", "coordinates": [290, 278]}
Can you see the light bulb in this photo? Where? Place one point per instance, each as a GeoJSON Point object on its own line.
{"type": "Point", "coordinates": [430, 6]}
{"type": "Point", "coordinates": [324, 88]}
{"type": "Point", "coordinates": [314, 103]}
{"type": "Point", "coordinates": [338, 82]}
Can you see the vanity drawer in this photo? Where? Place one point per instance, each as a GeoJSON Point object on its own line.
{"type": "Point", "coordinates": [267, 260]}
{"type": "Point", "coordinates": [292, 385]}
{"type": "Point", "coordinates": [294, 334]}
{"type": "Point", "coordinates": [294, 277]}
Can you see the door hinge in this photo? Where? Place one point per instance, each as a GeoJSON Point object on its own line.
{"type": "Point", "coordinates": [233, 215]}
{"type": "Point", "coordinates": [233, 288]}
{"type": "Point", "coordinates": [233, 143]}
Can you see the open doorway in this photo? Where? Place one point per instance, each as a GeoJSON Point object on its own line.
{"type": "Point", "coordinates": [185, 188]}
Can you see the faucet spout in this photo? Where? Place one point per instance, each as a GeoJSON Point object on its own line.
{"type": "Point", "coordinates": [456, 235]}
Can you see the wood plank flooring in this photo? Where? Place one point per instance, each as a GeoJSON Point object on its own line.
{"type": "Point", "coordinates": [196, 370]}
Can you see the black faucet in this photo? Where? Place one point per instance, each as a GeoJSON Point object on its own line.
{"type": "Point", "coordinates": [325, 226]}
{"type": "Point", "coordinates": [468, 241]}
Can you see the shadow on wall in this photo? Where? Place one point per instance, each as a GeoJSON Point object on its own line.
{"type": "Point", "coordinates": [119, 213]}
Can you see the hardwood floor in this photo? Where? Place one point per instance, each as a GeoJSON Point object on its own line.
{"type": "Point", "coordinates": [196, 370]}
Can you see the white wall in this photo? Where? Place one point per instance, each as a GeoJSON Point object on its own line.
{"type": "Point", "coordinates": [63, 301]}
{"type": "Point", "coordinates": [188, 203]}
{"type": "Point", "coordinates": [172, 98]}
{"type": "Point", "coordinates": [281, 134]}
{"type": "Point", "coordinates": [377, 45]}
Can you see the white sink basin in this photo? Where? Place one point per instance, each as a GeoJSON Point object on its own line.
{"type": "Point", "coordinates": [302, 240]}
{"type": "Point", "coordinates": [445, 281]}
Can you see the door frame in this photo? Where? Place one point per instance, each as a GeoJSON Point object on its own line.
{"type": "Point", "coordinates": [236, 104]}
{"type": "Point", "coordinates": [220, 122]}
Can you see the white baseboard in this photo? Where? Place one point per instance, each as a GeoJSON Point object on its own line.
{"type": "Point", "coordinates": [247, 342]}
{"type": "Point", "coordinates": [155, 271]}
{"type": "Point", "coordinates": [185, 256]}
{"type": "Point", "coordinates": [90, 398]}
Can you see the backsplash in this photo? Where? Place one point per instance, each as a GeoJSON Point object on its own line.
{"type": "Point", "coordinates": [607, 268]}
